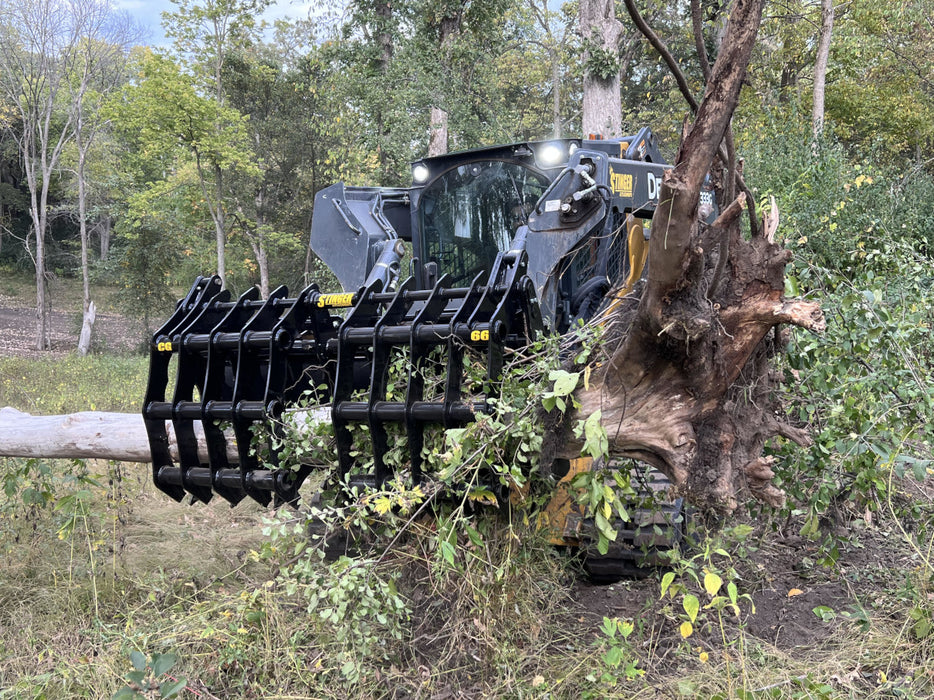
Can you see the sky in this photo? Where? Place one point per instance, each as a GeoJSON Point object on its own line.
{"type": "Point", "coordinates": [149, 14]}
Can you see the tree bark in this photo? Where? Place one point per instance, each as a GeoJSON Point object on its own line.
{"type": "Point", "coordinates": [685, 383]}
{"type": "Point", "coordinates": [102, 435]}
{"type": "Point", "coordinates": [87, 326]}
{"type": "Point", "coordinates": [438, 128]}
{"type": "Point", "coordinates": [601, 32]}
{"type": "Point", "coordinates": [86, 435]}
{"type": "Point", "coordinates": [88, 313]}
{"type": "Point", "coordinates": [820, 67]}
{"type": "Point", "coordinates": [104, 227]}
{"type": "Point", "coordinates": [438, 134]}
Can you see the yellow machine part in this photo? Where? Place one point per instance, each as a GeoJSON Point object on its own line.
{"type": "Point", "coordinates": [563, 515]}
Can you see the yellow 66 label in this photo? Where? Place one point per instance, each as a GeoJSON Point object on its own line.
{"type": "Point", "coordinates": [164, 347]}
{"type": "Point", "coordinates": [479, 336]}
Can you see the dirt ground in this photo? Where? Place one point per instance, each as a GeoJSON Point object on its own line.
{"type": "Point", "coordinates": [786, 583]}
{"type": "Point", "coordinates": [18, 331]}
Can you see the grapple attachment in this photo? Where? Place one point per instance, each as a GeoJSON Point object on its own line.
{"type": "Point", "coordinates": [241, 362]}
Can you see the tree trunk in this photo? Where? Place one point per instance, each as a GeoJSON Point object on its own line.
{"type": "Point", "coordinates": [102, 435]}
{"type": "Point", "coordinates": [601, 32]}
{"type": "Point", "coordinates": [384, 38]}
{"type": "Point", "coordinates": [43, 321]}
{"type": "Point", "coordinates": [87, 326]}
{"type": "Point", "coordinates": [220, 226]}
{"type": "Point", "coordinates": [555, 91]}
{"type": "Point", "coordinates": [685, 383]}
{"type": "Point", "coordinates": [87, 308]}
{"type": "Point", "coordinates": [104, 228]}
{"type": "Point", "coordinates": [43, 316]}
{"type": "Point", "coordinates": [820, 67]}
{"type": "Point", "coordinates": [438, 132]}
{"type": "Point", "coordinates": [438, 135]}
{"type": "Point", "coordinates": [86, 435]}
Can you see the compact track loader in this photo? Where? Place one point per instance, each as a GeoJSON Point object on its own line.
{"type": "Point", "coordinates": [500, 244]}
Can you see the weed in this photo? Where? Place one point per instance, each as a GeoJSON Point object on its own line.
{"type": "Point", "coordinates": [145, 678]}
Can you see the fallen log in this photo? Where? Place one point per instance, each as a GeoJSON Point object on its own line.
{"type": "Point", "coordinates": [104, 435]}
{"type": "Point", "coordinates": [85, 435]}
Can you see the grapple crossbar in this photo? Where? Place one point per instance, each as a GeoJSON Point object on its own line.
{"type": "Point", "coordinates": [240, 362]}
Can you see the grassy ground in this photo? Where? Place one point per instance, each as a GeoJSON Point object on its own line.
{"type": "Point", "coordinates": [69, 384]}
{"type": "Point", "coordinates": [99, 571]}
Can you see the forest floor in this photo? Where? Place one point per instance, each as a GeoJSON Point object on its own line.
{"type": "Point", "coordinates": [112, 331]}
{"type": "Point", "coordinates": [814, 620]}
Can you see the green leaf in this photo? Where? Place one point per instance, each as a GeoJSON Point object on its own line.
{"type": "Point", "coordinates": [136, 677]}
{"type": "Point", "coordinates": [125, 693]}
{"type": "Point", "coordinates": [475, 537]}
{"type": "Point", "coordinates": [138, 659]}
{"type": "Point", "coordinates": [565, 382]}
{"type": "Point", "coordinates": [349, 669]}
{"type": "Point", "coordinates": [604, 527]}
{"type": "Point", "coordinates": [691, 606]}
{"type": "Point", "coordinates": [171, 689]}
{"type": "Point", "coordinates": [741, 532]}
{"type": "Point", "coordinates": [596, 442]}
{"type": "Point", "coordinates": [613, 657]}
{"type": "Point", "coordinates": [447, 551]}
{"type": "Point", "coordinates": [603, 544]}
{"type": "Point", "coordinates": [162, 663]}
{"type": "Point", "coordinates": [687, 688]}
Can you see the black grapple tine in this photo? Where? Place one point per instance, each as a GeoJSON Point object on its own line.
{"type": "Point", "coordinates": [192, 365]}
{"type": "Point", "coordinates": [419, 348]}
{"type": "Point", "coordinates": [218, 391]}
{"type": "Point", "coordinates": [379, 377]}
{"type": "Point", "coordinates": [156, 410]}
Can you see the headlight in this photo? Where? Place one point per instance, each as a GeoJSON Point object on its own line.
{"type": "Point", "coordinates": [420, 173]}
{"type": "Point", "coordinates": [551, 155]}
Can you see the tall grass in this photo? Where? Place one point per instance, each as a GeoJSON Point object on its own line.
{"type": "Point", "coordinates": [72, 383]}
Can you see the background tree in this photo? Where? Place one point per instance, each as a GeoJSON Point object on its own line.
{"type": "Point", "coordinates": [889, 46]}
{"type": "Point", "coordinates": [820, 66]}
{"type": "Point", "coordinates": [280, 102]}
{"type": "Point", "coordinates": [601, 33]}
{"type": "Point", "coordinates": [183, 137]}
{"type": "Point", "coordinates": [100, 69]}
{"type": "Point", "coordinates": [39, 45]}
{"type": "Point", "coordinates": [207, 32]}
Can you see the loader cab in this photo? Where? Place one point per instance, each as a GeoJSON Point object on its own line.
{"type": "Point", "coordinates": [467, 207]}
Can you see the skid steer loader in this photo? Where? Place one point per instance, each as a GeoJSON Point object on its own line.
{"type": "Point", "coordinates": [501, 244]}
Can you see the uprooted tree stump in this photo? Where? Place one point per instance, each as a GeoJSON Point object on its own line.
{"type": "Point", "coordinates": [685, 382]}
